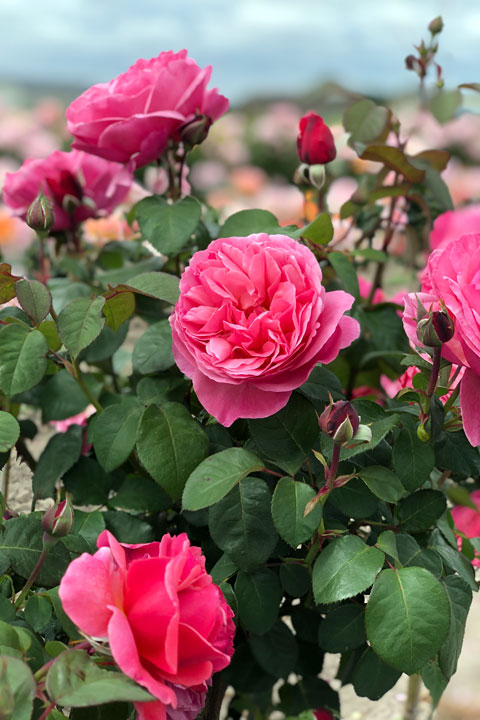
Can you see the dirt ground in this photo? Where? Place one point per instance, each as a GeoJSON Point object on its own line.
{"type": "Point", "coordinates": [461, 700]}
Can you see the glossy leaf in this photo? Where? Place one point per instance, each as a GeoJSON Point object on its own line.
{"type": "Point", "coordinates": [80, 322]}
{"type": "Point", "coordinates": [22, 360]}
{"type": "Point", "coordinates": [383, 483]}
{"type": "Point", "coordinates": [35, 299]}
{"type": "Point", "coordinates": [288, 507]}
{"type": "Point", "coordinates": [258, 596]}
{"type": "Point", "coordinates": [9, 431]}
{"type": "Point", "coordinates": [114, 434]}
{"type": "Point", "coordinates": [168, 227]}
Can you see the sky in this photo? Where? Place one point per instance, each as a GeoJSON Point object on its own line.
{"type": "Point", "coordinates": [256, 47]}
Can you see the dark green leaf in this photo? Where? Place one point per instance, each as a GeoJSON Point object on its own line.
{"type": "Point", "coordinates": [105, 345]}
{"type": "Point", "coordinates": [452, 558]}
{"type": "Point", "coordinates": [372, 678]}
{"type": "Point", "coordinates": [295, 579]}
{"type": "Point", "coordinates": [383, 483]}
{"type": "Point", "coordinates": [343, 629]}
{"type": "Point", "coordinates": [460, 598]}
{"type": "Point", "coordinates": [61, 397]}
{"type": "Point", "coordinates": [411, 554]}
{"type": "Point", "coordinates": [346, 273]}
{"type": "Point", "coordinates": [320, 383]}
{"type": "Point", "coordinates": [119, 306]}
{"type": "Point", "coordinates": [435, 681]}
{"type": "Point", "coordinates": [114, 434]}
{"type": "Point", "coordinates": [168, 227]}
{"type": "Point", "coordinates": [88, 482]}
{"type": "Point", "coordinates": [38, 611]}
{"type": "Point", "coordinates": [223, 569]}
{"type": "Point", "coordinates": [61, 453]}
{"type": "Point", "coordinates": [35, 299]}
{"type": "Point", "coordinates": [9, 431]}
{"type": "Point", "coordinates": [153, 350]}
{"type": "Point", "coordinates": [157, 285]}
{"type": "Point", "coordinates": [366, 121]}
{"type": "Point", "coordinates": [17, 688]}
{"type": "Point", "coordinates": [413, 460]}
{"type": "Point", "coordinates": [387, 543]}
{"type": "Point", "coordinates": [246, 222]}
{"type": "Point", "coordinates": [319, 231]}
{"type": "Point", "coordinates": [288, 507]}
{"type": "Point", "coordinates": [276, 651]}
{"type": "Point", "coordinates": [128, 528]}
{"type": "Point", "coordinates": [354, 499]}
{"type": "Point", "coordinates": [258, 596]}
{"type": "Point", "coordinates": [140, 493]}
{"type": "Point", "coordinates": [407, 617]}
{"type": "Point", "coordinates": [418, 512]}
{"type": "Point", "coordinates": [23, 359]}
{"type": "Point", "coordinates": [80, 322]}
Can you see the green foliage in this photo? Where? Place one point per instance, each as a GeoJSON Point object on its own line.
{"type": "Point", "coordinates": [80, 322]}
{"type": "Point", "coordinates": [288, 511]}
{"type": "Point", "coordinates": [168, 227]}
{"type": "Point", "coordinates": [23, 359]}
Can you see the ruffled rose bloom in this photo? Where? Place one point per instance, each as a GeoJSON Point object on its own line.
{"type": "Point", "coordinates": [166, 622]}
{"type": "Point", "coordinates": [315, 143]}
{"type": "Point", "coordinates": [252, 321]}
{"type": "Point", "coordinates": [79, 185]}
{"type": "Point", "coordinates": [452, 276]}
{"type": "Point", "coordinates": [453, 224]}
{"type": "Point", "coordinates": [132, 118]}
{"type": "Point", "coordinates": [467, 520]}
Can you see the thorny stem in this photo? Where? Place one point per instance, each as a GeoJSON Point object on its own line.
{"type": "Point", "coordinates": [33, 577]}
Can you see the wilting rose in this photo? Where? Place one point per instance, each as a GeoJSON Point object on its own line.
{"type": "Point", "coordinates": [467, 520]}
{"type": "Point", "coordinates": [252, 321]}
{"type": "Point", "coordinates": [452, 224]}
{"type": "Point", "coordinates": [132, 118]}
{"type": "Point", "coordinates": [315, 143]}
{"type": "Point", "coordinates": [79, 186]}
{"type": "Point", "coordinates": [166, 622]}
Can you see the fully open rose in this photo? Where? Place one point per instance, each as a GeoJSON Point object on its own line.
{"type": "Point", "coordinates": [79, 185]}
{"type": "Point", "coordinates": [166, 622]}
{"type": "Point", "coordinates": [252, 321]}
{"type": "Point", "coordinates": [132, 117]}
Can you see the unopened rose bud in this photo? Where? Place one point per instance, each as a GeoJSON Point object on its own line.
{"type": "Point", "coordinates": [316, 174]}
{"type": "Point", "coordinates": [58, 520]}
{"type": "Point", "coordinates": [436, 329]}
{"type": "Point", "coordinates": [423, 434]}
{"type": "Point", "coordinates": [40, 215]}
{"type": "Point", "coordinates": [315, 143]}
{"type": "Point", "coordinates": [339, 421]}
{"type": "Point", "coordinates": [195, 131]}
{"type": "Point", "coordinates": [410, 62]}
{"type": "Point", "coordinates": [436, 25]}
{"type": "Point", "coordinates": [362, 436]}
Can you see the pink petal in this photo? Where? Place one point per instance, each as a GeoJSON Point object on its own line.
{"type": "Point", "coordinates": [469, 396]}
{"type": "Point", "coordinates": [150, 711]}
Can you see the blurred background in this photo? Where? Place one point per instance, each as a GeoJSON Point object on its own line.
{"type": "Point", "coordinates": [274, 59]}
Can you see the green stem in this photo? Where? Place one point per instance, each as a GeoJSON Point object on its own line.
{"type": "Point", "coordinates": [33, 577]}
{"type": "Point", "coordinates": [80, 379]}
{"type": "Point", "coordinates": [413, 696]}
{"type": "Point", "coordinates": [451, 399]}
{"type": "Point", "coordinates": [6, 479]}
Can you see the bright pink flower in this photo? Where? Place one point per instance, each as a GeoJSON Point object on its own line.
{"type": "Point", "coordinates": [467, 520]}
{"type": "Point", "coordinates": [189, 704]}
{"type": "Point", "coordinates": [365, 287]}
{"type": "Point", "coordinates": [392, 387]}
{"type": "Point", "coordinates": [79, 185]}
{"type": "Point", "coordinates": [252, 321]}
{"type": "Point", "coordinates": [80, 419]}
{"type": "Point", "coordinates": [315, 143]}
{"type": "Point", "coordinates": [166, 622]}
{"type": "Point", "coordinates": [132, 117]}
{"type": "Point", "coordinates": [452, 224]}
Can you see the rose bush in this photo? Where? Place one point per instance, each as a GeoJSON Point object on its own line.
{"type": "Point", "coordinates": [133, 117]}
{"type": "Point", "coordinates": [252, 321]}
{"type": "Point", "coordinates": [79, 186]}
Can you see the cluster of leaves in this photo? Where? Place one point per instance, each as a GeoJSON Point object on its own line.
{"type": "Point", "coordinates": [373, 572]}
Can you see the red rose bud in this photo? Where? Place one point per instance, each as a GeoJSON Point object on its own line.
{"type": "Point", "coordinates": [339, 421]}
{"type": "Point", "coordinates": [436, 329]}
{"type": "Point", "coordinates": [195, 131]}
{"type": "Point", "coordinates": [40, 215]}
{"type": "Point", "coordinates": [436, 25]}
{"type": "Point", "coordinates": [58, 520]}
{"type": "Point", "coordinates": [315, 143]}
{"type": "Point", "coordinates": [323, 714]}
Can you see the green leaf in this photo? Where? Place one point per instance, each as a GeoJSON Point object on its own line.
{"type": "Point", "coordinates": [343, 629]}
{"type": "Point", "coordinates": [168, 227]}
{"type": "Point", "coordinates": [258, 595]}
{"type": "Point", "coordinates": [128, 528]}
{"type": "Point", "coordinates": [38, 611]}
{"type": "Point", "coordinates": [372, 678]}
{"type": "Point", "coordinates": [61, 397]}
{"type": "Point", "coordinates": [320, 383]}
{"type": "Point", "coordinates": [346, 273]}
{"type": "Point", "coordinates": [319, 231]}
{"type": "Point", "coordinates": [445, 104]}
{"type": "Point", "coordinates": [22, 360]}
{"type": "Point", "coordinates": [80, 322]}
{"type": "Point", "coordinates": [105, 345]}
{"type": "Point", "coordinates": [75, 681]}
{"type": "Point", "coordinates": [345, 568]}
{"type": "Point", "coordinates": [217, 475]}
{"type": "Point", "coordinates": [411, 554]}
{"type": "Point", "coordinates": [407, 617]}
{"type": "Point", "coordinates": [413, 460]}
{"type": "Point", "coordinates": [354, 499]}
{"type": "Point", "coordinates": [119, 306]}
{"type": "Point", "coordinates": [7, 283]}
{"type": "Point", "coordinates": [419, 511]}
{"type": "Point", "coordinates": [48, 328]}
{"type": "Point", "coordinates": [88, 483]}
{"type": "Point", "coordinates": [17, 688]}
{"type": "Point", "coordinates": [387, 544]}
{"type": "Point", "coordinates": [35, 299]}
{"type": "Point", "coordinates": [453, 559]}
{"type": "Point", "coordinates": [114, 434]}
{"type": "Point", "coordinates": [21, 546]}
{"type": "Point", "coordinates": [246, 222]}
{"type": "Point", "coordinates": [435, 681]}
{"type": "Point", "coordinates": [383, 483]}
{"type": "Point", "coordinates": [460, 598]}
{"type": "Point", "coordinates": [9, 431]}
{"type": "Point", "coordinates": [223, 570]}
{"type": "Point", "coordinates": [241, 524]}
{"type": "Point", "coordinates": [153, 350]}
{"type": "Point", "coordinates": [275, 651]}
{"type": "Point", "coordinates": [395, 159]}
{"type": "Point", "coordinates": [287, 437]}
{"type": "Point", "coordinates": [159, 285]}
{"type": "Point", "coordinates": [141, 494]}
{"type": "Point", "coordinates": [380, 428]}
{"type": "Point", "coordinates": [61, 453]}
{"type": "Point", "coordinates": [288, 505]}
{"type": "Point", "coordinates": [295, 579]}
{"type": "Point", "coordinates": [366, 121]}
{"type": "Point", "coordinates": [170, 445]}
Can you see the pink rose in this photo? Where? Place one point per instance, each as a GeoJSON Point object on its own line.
{"type": "Point", "coordinates": [80, 419]}
{"type": "Point", "coordinates": [453, 224]}
{"type": "Point", "coordinates": [132, 117]}
{"type": "Point", "coordinates": [79, 185]}
{"type": "Point", "coordinates": [467, 520]}
{"type": "Point", "coordinates": [189, 704]}
{"type": "Point", "coordinates": [166, 622]}
{"type": "Point", "coordinates": [252, 321]}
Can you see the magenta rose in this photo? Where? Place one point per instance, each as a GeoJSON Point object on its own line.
{"type": "Point", "coordinates": [79, 185]}
{"type": "Point", "coordinates": [166, 622]}
{"type": "Point", "coordinates": [452, 224]}
{"type": "Point", "coordinates": [252, 321]}
{"type": "Point", "coordinates": [132, 117]}
{"type": "Point", "coordinates": [315, 143]}
{"type": "Point", "coordinates": [467, 520]}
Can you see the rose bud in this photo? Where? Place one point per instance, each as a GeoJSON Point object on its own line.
{"type": "Point", "coordinates": [315, 143]}
{"type": "Point", "coordinates": [436, 25]}
{"type": "Point", "coordinates": [58, 520]}
{"type": "Point", "coordinates": [323, 714]}
{"type": "Point", "coordinates": [436, 329]}
{"type": "Point", "coordinates": [339, 421]}
{"type": "Point", "coordinates": [40, 215]}
{"type": "Point", "coordinates": [195, 131]}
